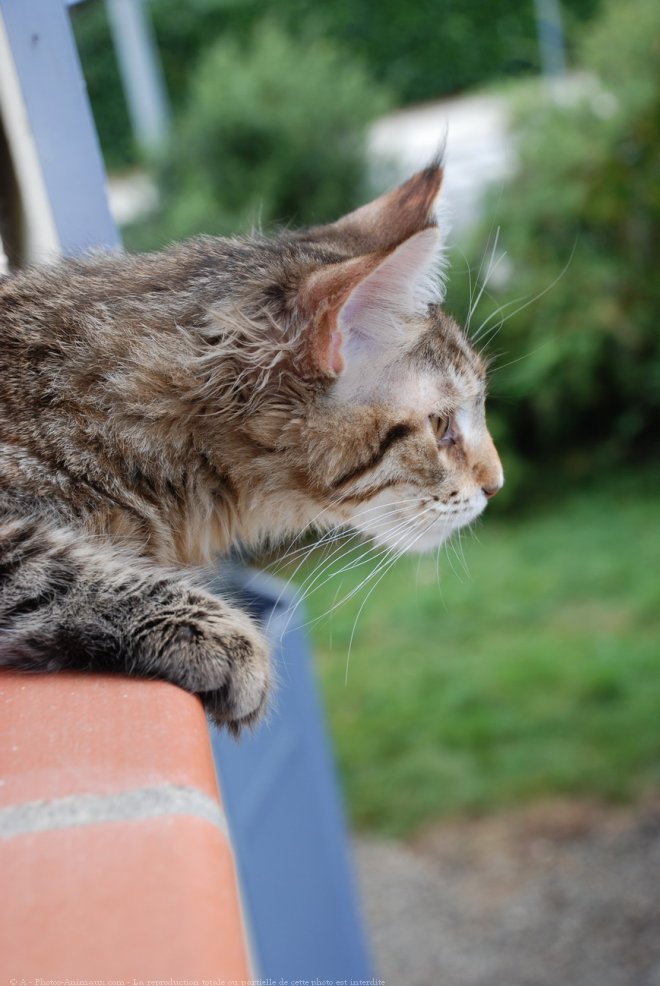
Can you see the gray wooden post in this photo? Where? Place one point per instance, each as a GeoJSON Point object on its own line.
{"type": "Point", "coordinates": [140, 70]}
{"type": "Point", "coordinates": [49, 127]}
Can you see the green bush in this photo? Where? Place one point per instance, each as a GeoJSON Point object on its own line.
{"type": "Point", "coordinates": [422, 50]}
{"type": "Point", "coordinates": [428, 49]}
{"type": "Point", "coordinates": [579, 385]}
{"type": "Point", "coordinates": [184, 31]}
{"type": "Point", "coordinates": [272, 132]}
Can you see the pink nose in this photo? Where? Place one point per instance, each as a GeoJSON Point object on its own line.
{"type": "Point", "coordinates": [491, 491]}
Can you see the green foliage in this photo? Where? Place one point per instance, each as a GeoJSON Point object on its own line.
{"type": "Point", "coordinates": [99, 65]}
{"type": "Point", "coordinates": [428, 49]}
{"type": "Point", "coordinates": [272, 132]}
{"type": "Point", "coordinates": [184, 31]}
{"type": "Point", "coordinates": [527, 668]}
{"type": "Point", "coordinates": [420, 50]}
{"type": "Point", "coordinates": [580, 347]}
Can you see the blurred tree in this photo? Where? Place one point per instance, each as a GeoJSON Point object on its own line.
{"type": "Point", "coordinates": [581, 224]}
{"type": "Point", "coordinates": [272, 131]}
{"type": "Point", "coordinates": [432, 48]}
{"type": "Point", "coordinates": [420, 50]}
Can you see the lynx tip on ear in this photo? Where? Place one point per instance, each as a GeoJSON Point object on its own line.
{"type": "Point", "coordinates": [382, 225]}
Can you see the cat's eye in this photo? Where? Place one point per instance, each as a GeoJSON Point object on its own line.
{"type": "Point", "coordinates": [440, 425]}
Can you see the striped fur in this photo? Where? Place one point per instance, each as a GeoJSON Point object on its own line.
{"type": "Point", "coordinates": [157, 410]}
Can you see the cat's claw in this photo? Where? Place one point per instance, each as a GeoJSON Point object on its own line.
{"type": "Point", "coordinates": [242, 699]}
{"type": "Point", "coordinates": [222, 657]}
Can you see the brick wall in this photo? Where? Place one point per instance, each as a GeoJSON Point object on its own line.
{"type": "Point", "coordinates": [114, 853]}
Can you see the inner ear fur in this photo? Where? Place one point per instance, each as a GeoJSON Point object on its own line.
{"type": "Point", "coordinates": [365, 301]}
{"type": "Point", "coordinates": [320, 301]}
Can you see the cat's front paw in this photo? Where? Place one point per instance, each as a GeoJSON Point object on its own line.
{"type": "Point", "coordinates": [221, 656]}
{"type": "Point", "coordinates": [242, 699]}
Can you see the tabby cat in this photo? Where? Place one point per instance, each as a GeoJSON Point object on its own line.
{"type": "Point", "coordinates": [158, 409]}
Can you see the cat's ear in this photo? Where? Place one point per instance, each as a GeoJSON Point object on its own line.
{"type": "Point", "coordinates": [405, 283]}
{"type": "Point", "coordinates": [360, 307]}
{"type": "Point", "coordinates": [391, 219]}
{"type": "Point", "coordinates": [394, 243]}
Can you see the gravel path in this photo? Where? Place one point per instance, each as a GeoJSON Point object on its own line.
{"type": "Point", "coordinates": [557, 895]}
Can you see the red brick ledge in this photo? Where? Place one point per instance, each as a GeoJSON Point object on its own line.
{"type": "Point", "coordinates": [113, 843]}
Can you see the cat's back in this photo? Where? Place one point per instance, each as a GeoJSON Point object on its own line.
{"type": "Point", "coordinates": [93, 354]}
{"type": "Point", "coordinates": [88, 313]}
{"type": "Point", "coordinates": [55, 298]}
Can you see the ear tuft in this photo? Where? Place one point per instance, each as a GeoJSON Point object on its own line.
{"type": "Point", "coordinates": [393, 218]}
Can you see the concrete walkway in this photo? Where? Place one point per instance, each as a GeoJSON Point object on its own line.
{"type": "Point", "coordinates": [560, 894]}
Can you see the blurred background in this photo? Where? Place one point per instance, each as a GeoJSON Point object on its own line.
{"type": "Point", "coordinates": [496, 709]}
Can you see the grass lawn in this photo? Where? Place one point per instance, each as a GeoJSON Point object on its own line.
{"type": "Point", "coordinates": [530, 668]}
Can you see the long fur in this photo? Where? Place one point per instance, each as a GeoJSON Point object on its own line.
{"type": "Point", "coordinates": [156, 410]}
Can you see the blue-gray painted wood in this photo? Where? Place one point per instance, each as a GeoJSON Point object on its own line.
{"type": "Point", "coordinates": [61, 122]}
{"type": "Point", "coordinates": [286, 819]}
{"type": "Point", "coordinates": [552, 48]}
{"type": "Point", "coordinates": [140, 70]}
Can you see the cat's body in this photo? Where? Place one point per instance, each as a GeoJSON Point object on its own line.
{"type": "Point", "coordinates": [157, 410]}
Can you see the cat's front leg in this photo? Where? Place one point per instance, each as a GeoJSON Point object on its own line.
{"type": "Point", "coordinates": [206, 646]}
{"type": "Point", "coordinates": [68, 603]}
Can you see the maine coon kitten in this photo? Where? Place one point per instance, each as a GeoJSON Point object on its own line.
{"type": "Point", "coordinates": [158, 409]}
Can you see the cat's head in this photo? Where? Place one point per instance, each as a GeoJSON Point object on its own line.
{"type": "Point", "coordinates": [377, 416]}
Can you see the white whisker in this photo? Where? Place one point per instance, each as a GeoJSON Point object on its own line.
{"type": "Point", "coordinates": [492, 266]}
{"type": "Point", "coordinates": [545, 290]}
{"type": "Point", "coordinates": [387, 552]}
{"type": "Point", "coordinates": [387, 568]}
{"type": "Point", "coordinates": [307, 588]}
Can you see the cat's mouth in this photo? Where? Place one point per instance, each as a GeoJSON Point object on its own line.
{"type": "Point", "coordinates": [409, 527]}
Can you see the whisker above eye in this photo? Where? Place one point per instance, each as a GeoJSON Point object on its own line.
{"type": "Point", "coordinates": [492, 266]}
{"type": "Point", "coordinates": [531, 301]}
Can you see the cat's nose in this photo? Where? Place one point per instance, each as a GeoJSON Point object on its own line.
{"type": "Point", "coordinates": [487, 469]}
{"type": "Point", "coordinates": [491, 491]}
